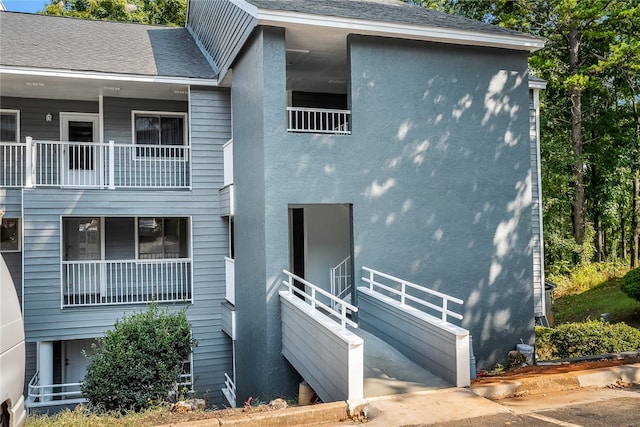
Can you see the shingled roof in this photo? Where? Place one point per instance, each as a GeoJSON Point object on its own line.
{"type": "Point", "coordinates": [62, 43]}
{"type": "Point", "coordinates": [392, 11]}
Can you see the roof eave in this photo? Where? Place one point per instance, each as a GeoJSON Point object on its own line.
{"type": "Point", "coordinates": [96, 75]}
{"type": "Point", "coordinates": [388, 29]}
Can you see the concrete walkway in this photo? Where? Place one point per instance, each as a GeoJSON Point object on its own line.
{"type": "Point", "coordinates": [389, 372]}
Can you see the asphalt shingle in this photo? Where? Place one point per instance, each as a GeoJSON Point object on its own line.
{"type": "Point", "coordinates": [392, 11]}
{"type": "Point", "coordinates": [52, 42]}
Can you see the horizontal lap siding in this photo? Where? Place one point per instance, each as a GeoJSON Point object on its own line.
{"type": "Point", "coordinates": [210, 116]}
{"type": "Point", "coordinates": [43, 207]}
{"type": "Point", "coordinates": [536, 238]}
{"type": "Point", "coordinates": [221, 28]}
{"type": "Point", "coordinates": [427, 344]}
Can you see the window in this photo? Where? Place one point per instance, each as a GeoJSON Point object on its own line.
{"type": "Point", "coordinates": [162, 238]}
{"type": "Point", "coordinates": [116, 238]}
{"type": "Point", "coordinates": [9, 126]}
{"type": "Point", "coordinates": [10, 235]}
{"type": "Point", "coordinates": [159, 129]}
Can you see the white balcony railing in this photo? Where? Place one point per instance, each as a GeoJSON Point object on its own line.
{"type": "Point", "coordinates": [12, 156]}
{"type": "Point", "coordinates": [318, 120]}
{"type": "Point", "coordinates": [94, 165]}
{"type": "Point", "coordinates": [53, 394]}
{"type": "Point", "coordinates": [86, 283]}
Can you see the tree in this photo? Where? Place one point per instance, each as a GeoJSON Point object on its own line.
{"type": "Point", "coordinates": [590, 148]}
{"type": "Point", "coordinates": [137, 361]}
{"type": "Point", "coordinates": [157, 12]}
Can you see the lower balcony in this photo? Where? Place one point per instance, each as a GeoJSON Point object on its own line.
{"type": "Point", "coordinates": [53, 394]}
{"type": "Point", "coordinates": [89, 283]}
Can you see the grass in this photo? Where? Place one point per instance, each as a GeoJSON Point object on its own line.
{"type": "Point", "coordinates": [81, 417]}
{"type": "Point", "coordinates": [605, 297]}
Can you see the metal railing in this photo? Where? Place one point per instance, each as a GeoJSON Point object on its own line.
{"type": "Point", "coordinates": [340, 277]}
{"type": "Point", "coordinates": [229, 390]}
{"type": "Point", "coordinates": [52, 394]}
{"type": "Point", "coordinates": [310, 293]}
{"type": "Point", "coordinates": [318, 120]}
{"type": "Point", "coordinates": [403, 296]}
{"type": "Point", "coordinates": [12, 160]}
{"type": "Point", "coordinates": [86, 283]}
{"type": "Point", "coordinates": [94, 165]}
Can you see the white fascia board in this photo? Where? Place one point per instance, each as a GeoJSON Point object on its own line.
{"type": "Point", "coordinates": [536, 84]}
{"type": "Point", "coordinates": [388, 29]}
{"type": "Point", "coordinates": [92, 75]}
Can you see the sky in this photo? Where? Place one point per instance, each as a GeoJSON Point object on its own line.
{"type": "Point", "coordinates": [31, 6]}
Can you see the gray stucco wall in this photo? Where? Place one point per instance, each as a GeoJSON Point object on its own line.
{"type": "Point", "coordinates": [437, 169]}
{"type": "Point", "coordinates": [260, 369]}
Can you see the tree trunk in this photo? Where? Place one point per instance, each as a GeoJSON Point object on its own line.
{"type": "Point", "coordinates": [634, 220]}
{"type": "Point", "coordinates": [574, 38]}
{"type": "Point", "coordinates": [623, 237]}
{"type": "Point", "coordinates": [599, 237]}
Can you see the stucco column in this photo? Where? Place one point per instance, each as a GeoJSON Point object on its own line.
{"type": "Point", "coordinates": [45, 367]}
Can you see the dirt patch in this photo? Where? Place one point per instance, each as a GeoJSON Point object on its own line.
{"type": "Point", "coordinates": [535, 370]}
{"type": "Point", "coordinates": [170, 418]}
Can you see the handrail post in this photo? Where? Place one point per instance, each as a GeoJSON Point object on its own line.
{"type": "Point", "coordinates": [403, 288]}
{"type": "Point", "coordinates": [371, 280]}
{"type": "Point", "coordinates": [29, 163]}
{"type": "Point", "coordinates": [444, 310]}
{"type": "Point", "coordinates": [112, 166]}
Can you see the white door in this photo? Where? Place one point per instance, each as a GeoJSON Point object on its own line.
{"type": "Point", "coordinates": [75, 360]}
{"type": "Point", "coordinates": [81, 160]}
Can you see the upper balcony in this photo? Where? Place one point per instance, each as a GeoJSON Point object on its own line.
{"type": "Point", "coordinates": [109, 165]}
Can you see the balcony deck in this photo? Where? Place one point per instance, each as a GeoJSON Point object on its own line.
{"type": "Point", "coordinates": [65, 164]}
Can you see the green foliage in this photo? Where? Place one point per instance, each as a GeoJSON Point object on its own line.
{"type": "Point", "coordinates": [584, 277]}
{"type": "Point", "coordinates": [138, 360]}
{"type": "Point", "coordinates": [595, 147]}
{"type": "Point", "coordinates": [585, 339]}
{"type": "Point", "coordinates": [157, 12]}
{"type": "Point", "coordinates": [630, 284]}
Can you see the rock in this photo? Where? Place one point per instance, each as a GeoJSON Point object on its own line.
{"type": "Point", "coordinates": [278, 404]}
{"type": "Point", "coordinates": [181, 407]}
{"type": "Point", "coordinates": [185, 406]}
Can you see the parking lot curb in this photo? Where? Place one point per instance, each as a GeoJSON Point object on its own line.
{"type": "Point", "coordinates": [601, 377]}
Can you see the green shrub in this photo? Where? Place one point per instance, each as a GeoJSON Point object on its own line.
{"type": "Point", "coordinates": [630, 284]}
{"type": "Point", "coordinates": [545, 349]}
{"type": "Point", "coordinates": [586, 339]}
{"type": "Point", "coordinates": [138, 360]}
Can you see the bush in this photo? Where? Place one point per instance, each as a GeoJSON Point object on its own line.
{"type": "Point", "coordinates": [586, 339]}
{"type": "Point", "coordinates": [630, 284]}
{"type": "Point", "coordinates": [138, 360]}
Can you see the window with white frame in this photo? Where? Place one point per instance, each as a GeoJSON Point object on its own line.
{"type": "Point", "coordinates": [10, 235]}
{"type": "Point", "coordinates": [9, 125]}
{"type": "Point", "coordinates": [125, 238]}
{"type": "Point", "coordinates": [164, 134]}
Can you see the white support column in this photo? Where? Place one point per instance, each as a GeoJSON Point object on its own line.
{"type": "Point", "coordinates": [29, 163]}
{"type": "Point", "coordinates": [112, 166]}
{"type": "Point", "coordinates": [45, 368]}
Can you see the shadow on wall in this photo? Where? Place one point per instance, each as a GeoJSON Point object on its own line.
{"type": "Point", "coordinates": [441, 188]}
